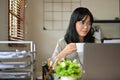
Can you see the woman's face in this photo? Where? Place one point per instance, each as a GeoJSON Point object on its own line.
{"type": "Point", "coordinates": [83, 26]}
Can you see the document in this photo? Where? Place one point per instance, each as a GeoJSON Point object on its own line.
{"type": "Point", "coordinates": [112, 41]}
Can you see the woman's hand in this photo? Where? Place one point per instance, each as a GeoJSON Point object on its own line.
{"type": "Point", "coordinates": [70, 48]}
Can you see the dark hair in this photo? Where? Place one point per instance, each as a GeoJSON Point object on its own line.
{"type": "Point", "coordinates": [71, 33]}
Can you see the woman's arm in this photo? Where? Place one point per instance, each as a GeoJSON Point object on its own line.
{"type": "Point", "coordinates": [62, 50]}
{"type": "Point", "coordinates": [70, 48]}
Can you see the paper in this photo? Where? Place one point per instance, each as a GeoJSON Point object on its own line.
{"type": "Point", "coordinates": [112, 41]}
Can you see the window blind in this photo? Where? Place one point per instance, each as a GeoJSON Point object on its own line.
{"type": "Point", "coordinates": [16, 19]}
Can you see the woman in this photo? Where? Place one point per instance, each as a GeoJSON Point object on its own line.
{"type": "Point", "coordinates": [79, 31]}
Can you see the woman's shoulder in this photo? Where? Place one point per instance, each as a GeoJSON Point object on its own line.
{"type": "Point", "coordinates": [62, 41]}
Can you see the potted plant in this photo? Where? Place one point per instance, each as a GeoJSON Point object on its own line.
{"type": "Point", "coordinates": [68, 70]}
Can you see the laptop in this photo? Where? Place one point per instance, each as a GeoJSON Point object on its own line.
{"type": "Point", "coordinates": [101, 61]}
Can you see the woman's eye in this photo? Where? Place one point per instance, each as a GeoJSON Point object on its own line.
{"type": "Point", "coordinates": [89, 23]}
{"type": "Point", "coordinates": [83, 22]}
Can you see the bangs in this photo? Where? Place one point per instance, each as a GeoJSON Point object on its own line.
{"type": "Point", "coordinates": [80, 17]}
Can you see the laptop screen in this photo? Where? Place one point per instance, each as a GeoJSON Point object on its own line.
{"type": "Point", "coordinates": [101, 61]}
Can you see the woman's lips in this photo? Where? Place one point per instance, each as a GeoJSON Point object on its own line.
{"type": "Point", "coordinates": [84, 32]}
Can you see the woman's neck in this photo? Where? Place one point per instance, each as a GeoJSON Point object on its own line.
{"type": "Point", "coordinates": [81, 39]}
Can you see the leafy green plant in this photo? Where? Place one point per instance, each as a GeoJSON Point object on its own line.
{"type": "Point", "coordinates": [68, 68]}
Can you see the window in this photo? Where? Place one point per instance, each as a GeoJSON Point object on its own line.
{"type": "Point", "coordinates": [57, 13]}
{"type": "Point", "coordinates": [16, 20]}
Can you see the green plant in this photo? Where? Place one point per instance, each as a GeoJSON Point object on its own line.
{"type": "Point", "coordinates": [68, 68]}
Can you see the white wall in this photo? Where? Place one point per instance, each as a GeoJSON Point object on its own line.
{"type": "Point", "coordinates": [103, 9]}
{"type": "Point", "coordinates": [3, 19]}
{"type": "Point", "coordinates": [45, 40]}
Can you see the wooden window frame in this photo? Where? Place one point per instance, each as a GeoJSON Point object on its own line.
{"type": "Point", "coordinates": [16, 20]}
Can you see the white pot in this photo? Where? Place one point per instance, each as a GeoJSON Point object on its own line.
{"type": "Point", "coordinates": [68, 78]}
